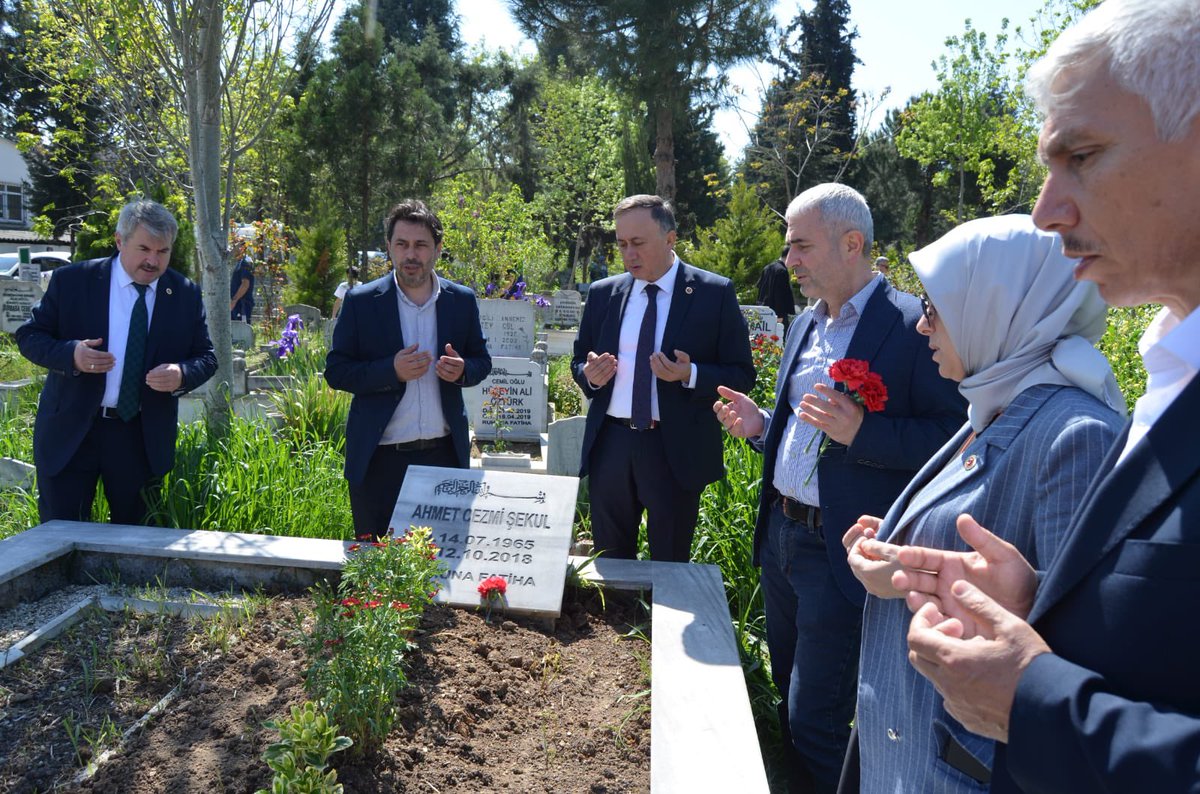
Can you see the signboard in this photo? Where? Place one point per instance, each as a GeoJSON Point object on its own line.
{"type": "Point", "coordinates": [494, 523]}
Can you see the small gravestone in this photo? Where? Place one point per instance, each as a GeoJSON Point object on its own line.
{"type": "Point", "coordinates": [241, 334]}
{"type": "Point", "coordinates": [17, 299]}
{"type": "Point", "coordinates": [327, 329]}
{"type": "Point", "coordinates": [309, 315]}
{"type": "Point", "coordinates": [509, 326]}
{"type": "Point", "coordinates": [762, 320]}
{"type": "Point", "coordinates": [565, 308]}
{"type": "Point", "coordinates": [16, 474]}
{"type": "Point", "coordinates": [515, 393]}
{"type": "Point", "coordinates": [494, 523]}
{"type": "Point", "coordinates": [565, 446]}
{"type": "Point", "coordinates": [560, 342]}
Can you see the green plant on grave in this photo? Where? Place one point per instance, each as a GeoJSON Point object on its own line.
{"type": "Point", "coordinates": [300, 758]}
{"type": "Point", "coordinates": [361, 631]}
{"type": "Point", "coordinates": [563, 391]}
{"type": "Point", "coordinates": [496, 412]}
{"type": "Point", "coordinates": [87, 742]}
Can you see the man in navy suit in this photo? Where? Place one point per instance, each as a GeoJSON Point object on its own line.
{"type": "Point", "coordinates": [109, 406]}
{"type": "Point", "coordinates": [405, 346]}
{"type": "Point", "coordinates": [653, 344]}
{"type": "Point", "coordinates": [1086, 674]}
{"type": "Point", "coordinates": [813, 492]}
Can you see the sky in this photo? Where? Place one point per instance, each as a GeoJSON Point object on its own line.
{"type": "Point", "coordinates": [898, 40]}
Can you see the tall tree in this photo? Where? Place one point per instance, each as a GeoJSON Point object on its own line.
{"type": "Point", "coordinates": [805, 133]}
{"type": "Point", "coordinates": [194, 83]}
{"type": "Point", "coordinates": [411, 21]}
{"type": "Point", "coordinates": [664, 53]}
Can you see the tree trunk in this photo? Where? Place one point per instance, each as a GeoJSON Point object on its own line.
{"type": "Point", "coordinates": [202, 48]}
{"type": "Point", "coordinates": [664, 149]}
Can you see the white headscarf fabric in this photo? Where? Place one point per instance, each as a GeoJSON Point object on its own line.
{"type": "Point", "coordinates": [1015, 314]}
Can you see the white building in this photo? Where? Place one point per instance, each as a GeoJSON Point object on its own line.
{"type": "Point", "coordinates": [14, 176]}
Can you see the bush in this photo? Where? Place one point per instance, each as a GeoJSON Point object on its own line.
{"type": "Point", "coordinates": [1120, 344]}
{"type": "Point", "coordinates": [564, 391]}
{"type": "Point", "coordinates": [319, 266]}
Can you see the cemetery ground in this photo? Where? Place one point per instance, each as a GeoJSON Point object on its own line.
{"type": "Point", "coordinates": [284, 478]}
{"type": "Point", "coordinates": [508, 704]}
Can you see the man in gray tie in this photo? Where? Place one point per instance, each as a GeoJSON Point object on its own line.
{"type": "Point", "coordinates": [653, 344]}
{"type": "Point", "coordinates": [122, 338]}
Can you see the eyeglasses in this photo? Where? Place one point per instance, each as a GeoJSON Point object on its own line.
{"type": "Point", "coordinates": [927, 309]}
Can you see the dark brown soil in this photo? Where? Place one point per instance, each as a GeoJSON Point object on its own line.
{"type": "Point", "coordinates": [511, 705]}
{"type": "Point", "coordinates": [526, 447]}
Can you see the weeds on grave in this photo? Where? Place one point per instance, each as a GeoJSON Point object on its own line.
{"type": "Point", "coordinates": [300, 759]}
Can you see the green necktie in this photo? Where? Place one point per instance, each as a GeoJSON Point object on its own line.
{"type": "Point", "coordinates": [132, 375]}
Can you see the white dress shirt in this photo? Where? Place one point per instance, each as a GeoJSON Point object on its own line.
{"type": "Point", "coordinates": [121, 297]}
{"type": "Point", "coordinates": [621, 405]}
{"type": "Point", "coordinates": [419, 414]}
{"type": "Point", "coordinates": [1170, 349]}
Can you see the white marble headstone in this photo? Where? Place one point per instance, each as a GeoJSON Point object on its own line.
{"type": "Point", "coordinates": [494, 523]}
{"type": "Point", "coordinates": [310, 315]}
{"type": "Point", "coordinates": [522, 405]}
{"type": "Point", "coordinates": [566, 308]}
{"type": "Point", "coordinates": [16, 300]}
{"type": "Point", "coordinates": [762, 320]}
{"type": "Point", "coordinates": [241, 334]}
{"type": "Point", "coordinates": [509, 326]}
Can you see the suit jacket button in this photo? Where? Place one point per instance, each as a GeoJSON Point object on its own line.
{"type": "Point", "coordinates": [970, 462]}
{"type": "Point", "coordinates": [893, 734]}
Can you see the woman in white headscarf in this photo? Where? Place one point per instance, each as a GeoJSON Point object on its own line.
{"type": "Point", "coordinates": [1006, 319]}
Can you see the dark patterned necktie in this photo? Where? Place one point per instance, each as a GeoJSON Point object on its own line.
{"type": "Point", "coordinates": [129, 398]}
{"type": "Point", "coordinates": [643, 378]}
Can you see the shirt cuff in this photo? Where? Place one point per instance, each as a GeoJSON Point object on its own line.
{"type": "Point", "coordinates": [691, 381]}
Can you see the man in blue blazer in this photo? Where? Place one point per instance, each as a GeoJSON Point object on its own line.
{"type": "Point", "coordinates": [813, 491]}
{"type": "Point", "coordinates": [1086, 673]}
{"type": "Point", "coordinates": [405, 346]}
{"type": "Point", "coordinates": [121, 338]}
{"type": "Point", "coordinates": [650, 366]}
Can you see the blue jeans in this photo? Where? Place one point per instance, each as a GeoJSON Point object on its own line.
{"type": "Point", "coordinates": [813, 635]}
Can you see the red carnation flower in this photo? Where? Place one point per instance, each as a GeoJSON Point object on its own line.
{"type": "Point", "coordinates": [355, 546]}
{"type": "Point", "coordinates": [850, 371]}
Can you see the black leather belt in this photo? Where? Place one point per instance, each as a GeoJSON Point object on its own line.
{"type": "Point", "coordinates": [418, 445]}
{"type": "Point", "coordinates": [800, 512]}
{"type": "Point", "coordinates": [623, 422]}
{"type": "Point", "coordinates": [106, 412]}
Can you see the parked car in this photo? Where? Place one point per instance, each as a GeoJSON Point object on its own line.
{"type": "Point", "coordinates": [10, 264]}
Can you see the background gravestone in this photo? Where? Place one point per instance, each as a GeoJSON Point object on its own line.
{"type": "Point", "coordinates": [509, 327]}
{"type": "Point", "coordinates": [16, 300]}
{"type": "Point", "coordinates": [565, 447]}
{"type": "Point", "coordinates": [525, 400]}
{"type": "Point", "coordinates": [494, 523]}
{"type": "Point", "coordinates": [762, 320]}
{"type": "Point", "coordinates": [565, 308]}
{"type": "Point", "coordinates": [310, 315]}
{"type": "Point", "coordinates": [241, 334]}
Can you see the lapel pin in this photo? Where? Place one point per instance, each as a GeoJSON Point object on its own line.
{"type": "Point", "coordinates": [970, 462]}
{"type": "Point", "coordinates": [688, 290]}
{"type": "Point", "coordinates": [168, 290]}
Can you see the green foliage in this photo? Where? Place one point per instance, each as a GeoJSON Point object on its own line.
{"type": "Point", "coordinates": [1120, 344]}
{"type": "Point", "coordinates": [253, 481]}
{"type": "Point", "coordinates": [725, 538]}
{"type": "Point", "coordinates": [741, 244]}
{"type": "Point", "coordinates": [578, 133]}
{"type": "Point", "coordinates": [14, 366]}
{"type": "Point", "coordinates": [314, 413]}
{"type": "Point", "coordinates": [767, 352]}
{"type": "Point", "coordinates": [563, 390]}
{"type": "Point", "coordinates": [301, 756]}
{"type": "Point", "coordinates": [357, 645]}
{"type": "Point", "coordinates": [487, 233]}
{"type": "Point", "coordinates": [977, 124]}
{"type": "Point", "coordinates": [319, 266]}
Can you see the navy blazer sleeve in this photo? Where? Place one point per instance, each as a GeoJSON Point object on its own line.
{"type": "Point", "coordinates": [734, 366]}
{"type": "Point", "coordinates": [356, 363]}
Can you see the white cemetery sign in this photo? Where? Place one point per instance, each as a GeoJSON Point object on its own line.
{"type": "Point", "coordinates": [565, 308]}
{"type": "Point", "coordinates": [509, 326]}
{"type": "Point", "coordinates": [762, 320]}
{"type": "Point", "coordinates": [513, 393]}
{"type": "Point", "coordinates": [494, 523]}
{"type": "Point", "coordinates": [16, 300]}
